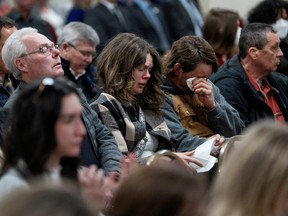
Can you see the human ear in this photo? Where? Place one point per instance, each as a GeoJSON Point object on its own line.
{"type": "Point", "coordinates": [253, 52]}
{"type": "Point", "coordinates": [20, 64]}
{"type": "Point", "coordinates": [177, 69]}
{"type": "Point", "coordinates": [64, 46]}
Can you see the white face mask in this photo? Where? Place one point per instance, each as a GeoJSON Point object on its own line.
{"type": "Point", "coordinates": [237, 37]}
{"type": "Point", "coordinates": [281, 26]}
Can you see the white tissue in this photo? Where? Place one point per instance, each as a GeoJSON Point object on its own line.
{"type": "Point", "coordinates": [189, 82]}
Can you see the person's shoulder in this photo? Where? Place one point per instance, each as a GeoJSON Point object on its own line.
{"type": "Point", "coordinates": [167, 86]}
{"type": "Point", "coordinates": [278, 76]}
{"type": "Point", "coordinates": [9, 104]}
{"type": "Point", "coordinates": [98, 9]}
{"type": "Point", "coordinates": [4, 92]}
{"type": "Point", "coordinates": [13, 175]}
{"type": "Point", "coordinates": [276, 79]}
{"type": "Point", "coordinates": [14, 14]}
{"type": "Point", "coordinates": [135, 9]}
{"type": "Point", "coordinates": [104, 97]}
{"type": "Point", "coordinates": [10, 182]}
{"type": "Point", "coordinates": [231, 69]}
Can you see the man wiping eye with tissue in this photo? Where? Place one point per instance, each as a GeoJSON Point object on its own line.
{"type": "Point", "coordinates": [200, 107]}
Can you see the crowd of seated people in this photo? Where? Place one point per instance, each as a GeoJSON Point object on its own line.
{"type": "Point", "coordinates": [109, 17]}
{"type": "Point", "coordinates": [117, 110]}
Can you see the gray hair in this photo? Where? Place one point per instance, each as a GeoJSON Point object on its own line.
{"type": "Point", "coordinates": [13, 48]}
{"type": "Point", "coordinates": [78, 32]}
{"type": "Point", "coordinates": [253, 35]}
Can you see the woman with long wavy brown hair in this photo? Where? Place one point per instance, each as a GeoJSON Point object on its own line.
{"type": "Point", "coordinates": [129, 70]}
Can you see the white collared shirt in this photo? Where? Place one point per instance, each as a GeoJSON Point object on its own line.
{"type": "Point", "coordinates": [77, 76]}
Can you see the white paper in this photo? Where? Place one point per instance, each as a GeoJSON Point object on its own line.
{"type": "Point", "coordinates": [202, 154]}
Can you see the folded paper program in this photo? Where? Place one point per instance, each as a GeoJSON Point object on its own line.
{"type": "Point", "coordinates": [202, 153]}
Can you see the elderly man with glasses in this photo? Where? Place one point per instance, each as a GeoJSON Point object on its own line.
{"type": "Point", "coordinates": [30, 46]}
{"type": "Point", "coordinates": [78, 43]}
{"type": "Point", "coordinates": [31, 56]}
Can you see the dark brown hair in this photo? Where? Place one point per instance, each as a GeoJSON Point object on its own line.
{"type": "Point", "coordinates": [219, 29]}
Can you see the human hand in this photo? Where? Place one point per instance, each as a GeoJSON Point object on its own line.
{"type": "Point", "coordinates": [95, 186]}
{"type": "Point", "coordinates": [187, 158]}
{"type": "Point", "coordinates": [203, 88]}
{"type": "Point", "coordinates": [219, 140]}
{"type": "Point", "coordinates": [128, 163]}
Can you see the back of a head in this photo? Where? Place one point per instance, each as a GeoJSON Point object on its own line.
{"type": "Point", "coordinates": [254, 182]}
{"type": "Point", "coordinates": [6, 22]}
{"type": "Point", "coordinates": [220, 29]}
{"type": "Point", "coordinates": [7, 27]}
{"type": "Point", "coordinates": [160, 190]}
{"type": "Point", "coordinates": [267, 11]}
{"type": "Point", "coordinates": [46, 200]}
{"type": "Point", "coordinates": [254, 35]}
{"type": "Point", "coordinates": [273, 12]}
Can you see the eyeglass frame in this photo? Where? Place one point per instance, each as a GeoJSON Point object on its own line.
{"type": "Point", "coordinates": [85, 54]}
{"type": "Point", "coordinates": [41, 51]}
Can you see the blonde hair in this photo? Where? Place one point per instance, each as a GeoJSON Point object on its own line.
{"type": "Point", "coordinates": [45, 199]}
{"type": "Point", "coordinates": [254, 182]}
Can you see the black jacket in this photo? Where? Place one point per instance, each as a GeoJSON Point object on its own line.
{"type": "Point", "coordinates": [235, 86]}
{"type": "Point", "coordinates": [86, 82]}
{"type": "Point", "coordinates": [105, 23]}
{"type": "Point", "coordinates": [143, 27]}
{"type": "Point", "coordinates": [178, 20]}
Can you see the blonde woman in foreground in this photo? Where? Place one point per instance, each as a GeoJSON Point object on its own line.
{"type": "Point", "coordinates": [255, 182]}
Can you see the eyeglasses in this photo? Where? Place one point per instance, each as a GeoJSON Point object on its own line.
{"type": "Point", "coordinates": [48, 81]}
{"type": "Point", "coordinates": [44, 49]}
{"type": "Point", "coordinates": [85, 54]}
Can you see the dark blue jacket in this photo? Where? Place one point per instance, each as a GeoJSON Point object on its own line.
{"type": "Point", "coordinates": [4, 96]}
{"type": "Point", "coordinates": [86, 82]}
{"type": "Point", "coordinates": [235, 86]}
